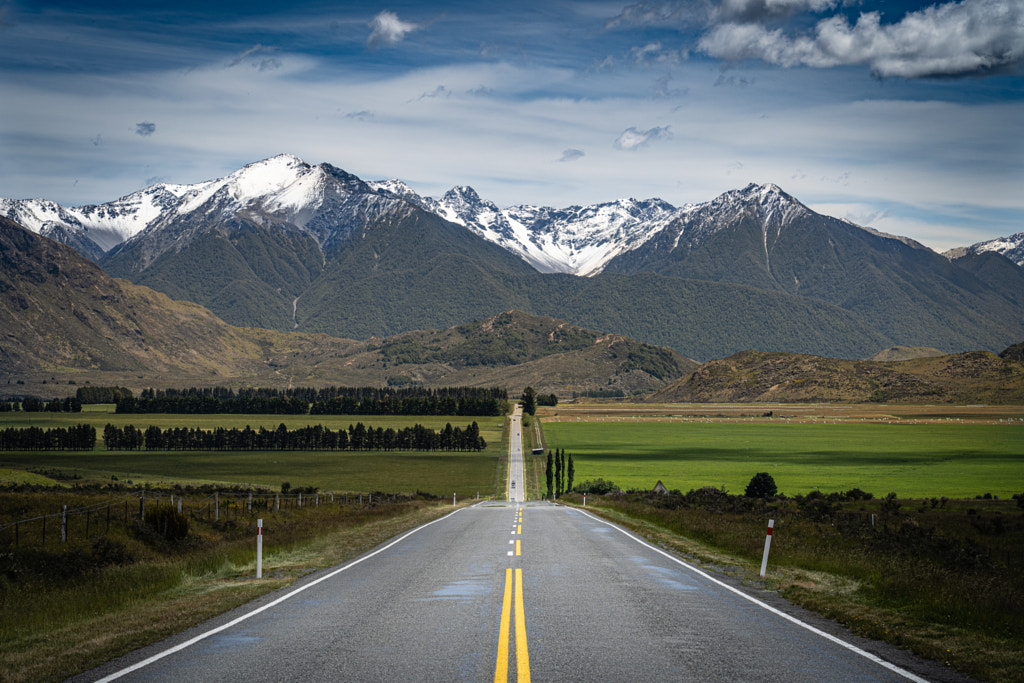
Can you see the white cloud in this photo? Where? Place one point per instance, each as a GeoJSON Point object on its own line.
{"type": "Point", "coordinates": [388, 29]}
{"type": "Point", "coordinates": [953, 39]}
{"type": "Point", "coordinates": [758, 10]}
{"type": "Point", "coordinates": [632, 138]}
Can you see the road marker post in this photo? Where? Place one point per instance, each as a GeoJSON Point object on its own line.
{"type": "Point", "coordinates": [767, 545]}
{"type": "Point", "coordinates": [259, 548]}
{"type": "Point", "coordinates": [584, 500]}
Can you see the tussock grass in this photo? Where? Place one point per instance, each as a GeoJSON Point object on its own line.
{"type": "Point", "coordinates": [52, 628]}
{"type": "Point", "coordinates": [945, 581]}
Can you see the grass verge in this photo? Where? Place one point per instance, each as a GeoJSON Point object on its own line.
{"type": "Point", "coordinates": [51, 629]}
{"type": "Point", "coordinates": [922, 580]}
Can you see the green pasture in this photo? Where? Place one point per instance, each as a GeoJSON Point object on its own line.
{"type": "Point", "coordinates": [439, 473]}
{"type": "Point", "coordinates": [913, 460]}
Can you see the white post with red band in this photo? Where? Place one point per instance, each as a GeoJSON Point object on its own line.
{"type": "Point", "coordinates": [767, 544]}
{"type": "Point", "coordinates": [259, 548]}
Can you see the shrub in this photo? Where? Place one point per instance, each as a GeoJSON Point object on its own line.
{"type": "Point", "coordinates": [761, 485]}
{"type": "Point", "coordinates": [598, 486]}
{"type": "Point", "coordinates": [168, 522]}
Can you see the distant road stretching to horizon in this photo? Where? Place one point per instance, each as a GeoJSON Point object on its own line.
{"type": "Point", "coordinates": [512, 591]}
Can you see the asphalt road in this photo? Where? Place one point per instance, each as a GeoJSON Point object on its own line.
{"type": "Point", "coordinates": [516, 486]}
{"type": "Point", "coordinates": [507, 591]}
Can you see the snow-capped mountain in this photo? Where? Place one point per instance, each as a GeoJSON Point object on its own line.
{"type": "Point", "coordinates": [578, 240]}
{"type": "Point", "coordinates": [330, 204]}
{"type": "Point", "coordinates": [94, 228]}
{"type": "Point", "coordinates": [1011, 247]}
{"type": "Point", "coordinates": [322, 200]}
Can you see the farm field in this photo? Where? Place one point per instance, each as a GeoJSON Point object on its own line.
{"type": "Point", "coordinates": [439, 473]}
{"type": "Point", "coordinates": [956, 451]}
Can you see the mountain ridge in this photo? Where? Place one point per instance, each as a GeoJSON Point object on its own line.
{"type": "Point", "coordinates": [63, 315]}
{"type": "Point", "coordinates": [286, 245]}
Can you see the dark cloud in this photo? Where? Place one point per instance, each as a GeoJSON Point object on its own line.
{"type": "Point", "coordinates": [145, 129]}
{"type": "Point", "coordinates": [439, 91]}
{"type": "Point", "coordinates": [571, 155]}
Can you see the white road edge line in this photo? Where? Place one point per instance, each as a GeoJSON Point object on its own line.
{"type": "Point", "coordinates": [853, 648]}
{"type": "Point", "coordinates": [202, 636]}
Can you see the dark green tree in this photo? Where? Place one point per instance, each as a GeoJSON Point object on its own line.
{"type": "Point", "coordinates": [571, 475]}
{"type": "Point", "coordinates": [549, 474]}
{"type": "Point", "coordinates": [761, 486]}
{"type": "Point", "coordinates": [529, 401]}
{"type": "Point", "coordinates": [558, 473]}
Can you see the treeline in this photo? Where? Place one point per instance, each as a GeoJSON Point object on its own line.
{"type": "Point", "coordinates": [462, 401]}
{"type": "Point", "coordinates": [91, 394]}
{"type": "Point", "coordinates": [78, 438]}
{"type": "Point", "coordinates": [358, 437]}
{"type": "Point", "coordinates": [37, 405]}
{"type": "Point", "coordinates": [559, 473]}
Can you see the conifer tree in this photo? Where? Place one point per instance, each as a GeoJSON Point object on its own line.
{"type": "Point", "coordinates": [549, 475]}
{"type": "Point", "coordinates": [572, 474]}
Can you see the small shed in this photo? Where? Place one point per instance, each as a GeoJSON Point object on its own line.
{"type": "Point", "coordinates": [538, 451]}
{"type": "Point", "coordinates": [659, 488]}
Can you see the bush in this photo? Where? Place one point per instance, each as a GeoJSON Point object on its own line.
{"type": "Point", "coordinates": [598, 486]}
{"type": "Point", "coordinates": [168, 522]}
{"type": "Point", "coordinates": [761, 485]}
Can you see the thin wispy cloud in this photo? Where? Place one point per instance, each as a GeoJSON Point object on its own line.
{"type": "Point", "coordinates": [387, 29]}
{"type": "Point", "coordinates": [256, 56]}
{"type": "Point", "coordinates": [633, 138]}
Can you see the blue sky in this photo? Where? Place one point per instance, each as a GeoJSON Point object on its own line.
{"type": "Point", "coordinates": [903, 116]}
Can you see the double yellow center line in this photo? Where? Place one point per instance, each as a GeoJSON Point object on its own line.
{"type": "Point", "coordinates": [513, 584]}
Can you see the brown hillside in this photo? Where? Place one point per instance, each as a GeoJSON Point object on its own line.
{"type": "Point", "coordinates": [65, 321]}
{"type": "Point", "coordinates": [754, 376]}
{"type": "Point", "coordinates": [906, 353]}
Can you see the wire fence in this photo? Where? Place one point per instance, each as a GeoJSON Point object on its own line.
{"type": "Point", "coordinates": [95, 520]}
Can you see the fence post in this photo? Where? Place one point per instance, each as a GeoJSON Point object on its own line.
{"type": "Point", "coordinates": [63, 523]}
{"type": "Point", "coordinates": [277, 502]}
{"type": "Point", "coordinates": [316, 502]}
{"type": "Point", "coordinates": [179, 505]}
{"type": "Point", "coordinates": [767, 545]}
{"type": "Point", "coordinates": [259, 548]}
{"type": "Point", "coordinates": [250, 501]}
{"type": "Point", "coordinates": [142, 506]}
{"type": "Point", "coordinates": [300, 500]}
{"type": "Point", "coordinates": [216, 506]}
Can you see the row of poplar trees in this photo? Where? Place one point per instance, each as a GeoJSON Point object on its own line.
{"type": "Point", "coordinates": [559, 473]}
